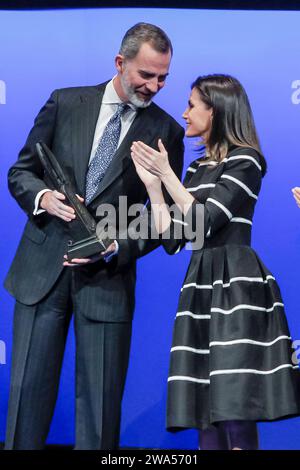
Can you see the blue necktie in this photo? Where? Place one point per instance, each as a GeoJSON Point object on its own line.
{"type": "Point", "coordinates": [104, 153]}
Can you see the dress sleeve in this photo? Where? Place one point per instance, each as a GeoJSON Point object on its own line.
{"type": "Point", "coordinates": [240, 181]}
{"type": "Point", "coordinates": [184, 229]}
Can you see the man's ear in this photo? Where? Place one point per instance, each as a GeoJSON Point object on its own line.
{"type": "Point", "coordinates": [119, 62]}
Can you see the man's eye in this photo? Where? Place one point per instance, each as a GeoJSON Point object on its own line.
{"type": "Point", "coordinates": [145, 75]}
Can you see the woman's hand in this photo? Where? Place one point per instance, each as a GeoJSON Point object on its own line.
{"type": "Point", "coordinates": [155, 162]}
{"type": "Point", "coordinates": [149, 180]}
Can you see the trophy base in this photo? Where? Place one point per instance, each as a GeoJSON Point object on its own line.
{"type": "Point", "coordinates": [87, 247]}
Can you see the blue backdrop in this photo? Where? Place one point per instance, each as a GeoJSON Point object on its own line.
{"type": "Point", "coordinates": [44, 50]}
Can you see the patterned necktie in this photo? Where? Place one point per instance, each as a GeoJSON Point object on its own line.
{"type": "Point", "coordinates": [104, 153]}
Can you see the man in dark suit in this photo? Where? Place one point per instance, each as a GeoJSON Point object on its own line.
{"type": "Point", "coordinates": [101, 294]}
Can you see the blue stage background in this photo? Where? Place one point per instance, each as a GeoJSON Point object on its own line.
{"type": "Point", "coordinates": [44, 50]}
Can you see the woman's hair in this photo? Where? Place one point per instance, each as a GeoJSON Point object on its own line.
{"type": "Point", "coordinates": [232, 119]}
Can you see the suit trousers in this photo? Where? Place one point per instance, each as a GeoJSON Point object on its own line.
{"type": "Point", "coordinates": [102, 353]}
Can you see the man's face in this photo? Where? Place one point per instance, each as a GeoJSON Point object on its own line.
{"type": "Point", "coordinates": [142, 77]}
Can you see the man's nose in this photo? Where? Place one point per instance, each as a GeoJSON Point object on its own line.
{"type": "Point", "coordinates": [153, 85]}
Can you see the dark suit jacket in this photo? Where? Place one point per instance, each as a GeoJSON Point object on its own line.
{"type": "Point", "coordinates": [104, 291]}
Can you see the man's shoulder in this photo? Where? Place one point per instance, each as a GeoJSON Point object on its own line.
{"type": "Point", "coordinates": [81, 90]}
{"type": "Point", "coordinates": [160, 114]}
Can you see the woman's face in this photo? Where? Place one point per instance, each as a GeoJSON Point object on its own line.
{"type": "Point", "coordinates": [198, 117]}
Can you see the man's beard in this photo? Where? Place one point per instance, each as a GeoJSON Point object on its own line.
{"type": "Point", "coordinates": [131, 94]}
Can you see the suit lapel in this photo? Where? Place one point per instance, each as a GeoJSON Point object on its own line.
{"type": "Point", "coordinates": [84, 120]}
{"type": "Point", "coordinates": [143, 128]}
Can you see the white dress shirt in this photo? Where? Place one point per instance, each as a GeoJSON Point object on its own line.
{"type": "Point", "coordinates": [110, 102]}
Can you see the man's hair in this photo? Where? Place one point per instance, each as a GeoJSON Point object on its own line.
{"type": "Point", "coordinates": [142, 33]}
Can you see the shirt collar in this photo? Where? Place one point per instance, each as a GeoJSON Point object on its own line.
{"type": "Point", "coordinates": [111, 96]}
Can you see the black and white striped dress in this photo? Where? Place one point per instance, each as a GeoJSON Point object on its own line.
{"type": "Point", "coordinates": [231, 356]}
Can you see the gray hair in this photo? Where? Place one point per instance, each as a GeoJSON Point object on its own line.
{"type": "Point", "coordinates": [142, 33]}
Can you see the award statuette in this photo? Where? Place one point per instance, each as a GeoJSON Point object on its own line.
{"type": "Point", "coordinates": [86, 242]}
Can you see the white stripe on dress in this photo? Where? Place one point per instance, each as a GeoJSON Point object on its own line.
{"type": "Point", "coordinates": [192, 170]}
{"type": "Point", "coordinates": [233, 279]}
{"type": "Point", "coordinates": [246, 279]}
{"type": "Point", "coordinates": [241, 184]}
{"type": "Point", "coordinates": [246, 307]}
{"type": "Point", "coordinates": [248, 341]}
{"type": "Point", "coordinates": [193, 315]}
{"type": "Point", "coordinates": [243, 157]}
{"type": "Point", "coordinates": [189, 349]}
{"type": "Point", "coordinates": [197, 286]}
{"type": "Point", "coordinates": [241, 220]}
{"type": "Point", "coordinates": [224, 209]}
{"type": "Point", "coordinates": [208, 163]}
{"type": "Point", "coordinates": [179, 222]}
{"type": "Point", "coordinates": [252, 371]}
{"type": "Point", "coordinates": [201, 186]}
{"type": "Point", "coordinates": [188, 379]}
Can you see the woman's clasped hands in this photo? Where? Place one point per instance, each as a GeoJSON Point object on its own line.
{"type": "Point", "coordinates": [151, 165]}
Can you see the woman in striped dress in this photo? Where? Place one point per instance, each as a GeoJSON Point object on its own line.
{"type": "Point", "coordinates": [231, 357]}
